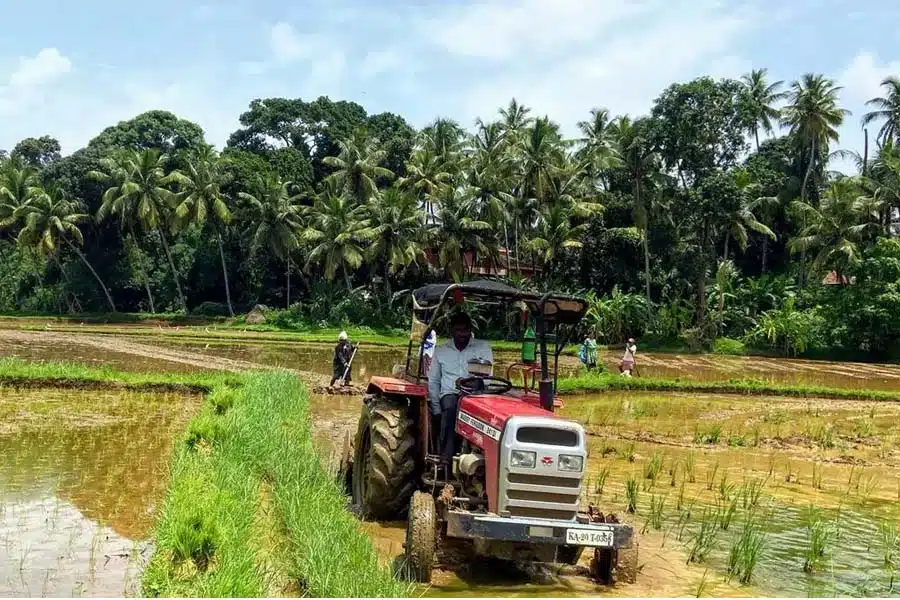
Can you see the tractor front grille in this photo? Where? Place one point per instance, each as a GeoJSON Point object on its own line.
{"type": "Point", "coordinates": [542, 496]}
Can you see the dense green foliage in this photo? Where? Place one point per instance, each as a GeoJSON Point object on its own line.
{"type": "Point", "coordinates": [688, 224]}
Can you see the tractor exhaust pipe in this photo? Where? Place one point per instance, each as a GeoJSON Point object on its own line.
{"type": "Point", "coordinates": [545, 387]}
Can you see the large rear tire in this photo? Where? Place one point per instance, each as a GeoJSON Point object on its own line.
{"type": "Point", "coordinates": [384, 460]}
{"type": "Point", "coordinates": [421, 537]}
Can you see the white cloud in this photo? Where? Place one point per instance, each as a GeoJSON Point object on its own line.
{"type": "Point", "coordinates": [861, 80]}
{"type": "Point", "coordinates": [503, 29]}
{"type": "Point", "coordinates": [286, 45]}
{"type": "Point", "coordinates": [623, 71]}
{"type": "Point", "coordinates": [378, 62]}
{"type": "Point", "coordinates": [43, 68]}
{"type": "Point", "coordinates": [24, 85]}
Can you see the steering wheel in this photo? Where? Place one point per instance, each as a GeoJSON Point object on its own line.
{"type": "Point", "coordinates": [484, 385]}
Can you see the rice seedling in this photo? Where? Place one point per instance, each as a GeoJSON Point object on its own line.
{"type": "Point", "coordinates": [701, 587]}
{"type": "Point", "coordinates": [726, 490]}
{"type": "Point", "coordinates": [673, 473]}
{"type": "Point", "coordinates": [790, 475]}
{"type": "Point", "coordinates": [653, 467]}
{"type": "Point", "coordinates": [632, 492]}
{"type": "Point", "coordinates": [868, 486]}
{"type": "Point", "coordinates": [711, 476]}
{"type": "Point", "coordinates": [600, 482]}
{"type": "Point", "coordinates": [708, 435]}
{"type": "Point", "coordinates": [864, 428]}
{"type": "Point", "coordinates": [746, 552]}
{"type": "Point", "coordinates": [757, 437]}
{"type": "Point", "coordinates": [704, 538]}
{"type": "Point", "coordinates": [221, 399]}
{"type": "Point", "coordinates": [751, 491]}
{"type": "Point", "coordinates": [657, 509]}
{"type": "Point", "coordinates": [820, 534]}
{"type": "Point", "coordinates": [684, 517]}
{"type": "Point", "coordinates": [817, 475]}
{"type": "Point", "coordinates": [690, 466]}
{"type": "Point", "coordinates": [725, 513]}
{"type": "Point", "coordinates": [736, 441]}
{"type": "Point", "coordinates": [680, 498]}
{"type": "Point", "coordinates": [889, 541]}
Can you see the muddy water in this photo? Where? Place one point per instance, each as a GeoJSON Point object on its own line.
{"type": "Point", "coordinates": [373, 359]}
{"type": "Point", "coordinates": [81, 474]}
{"type": "Point", "coordinates": [848, 480]}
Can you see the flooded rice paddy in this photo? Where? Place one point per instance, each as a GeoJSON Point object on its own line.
{"type": "Point", "coordinates": [81, 474]}
{"type": "Point", "coordinates": [815, 484]}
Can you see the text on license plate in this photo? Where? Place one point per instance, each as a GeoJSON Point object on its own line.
{"type": "Point", "coordinates": [588, 537]}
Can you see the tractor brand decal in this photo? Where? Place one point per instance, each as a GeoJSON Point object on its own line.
{"type": "Point", "coordinates": [547, 460]}
{"type": "Point", "coordinates": [481, 426]}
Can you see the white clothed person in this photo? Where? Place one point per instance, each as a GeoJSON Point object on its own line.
{"type": "Point", "coordinates": [450, 364]}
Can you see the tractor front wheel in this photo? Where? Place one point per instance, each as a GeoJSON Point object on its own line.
{"type": "Point", "coordinates": [384, 461]}
{"type": "Point", "coordinates": [421, 537]}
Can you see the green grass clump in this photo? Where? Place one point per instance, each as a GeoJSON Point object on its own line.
{"type": "Point", "coordinates": [205, 429]}
{"type": "Point", "coordinates": [267, 458]}
{"type": "Point", "coordinates": [221, 399]}
{"type": "Point", "coordinates": [632, 492]}
{"type": "Point", "coordinates": [653, 467]}
{"type": "Point", "coordinates": [703, 540]}
{"type": "Point", "coordinates": [609, 382]}
{"type": "Point", "coordinates": [820, 535]}
{"type": "Point", "coordinates": [708, 435]}
{"type": "Point", "coordinates": [746, 552]}
{"type": "Point", "coordinates": [729, 347]}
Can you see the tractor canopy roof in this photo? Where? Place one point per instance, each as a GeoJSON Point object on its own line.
{"type": "Point", "coordinates": [560, 308]}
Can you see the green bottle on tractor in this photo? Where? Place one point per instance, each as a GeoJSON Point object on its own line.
{"type": "Point", "coordinates": [528, 346]}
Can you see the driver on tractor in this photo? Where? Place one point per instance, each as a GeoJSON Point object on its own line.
{"type": "Point", "coordinates": [449, 365]}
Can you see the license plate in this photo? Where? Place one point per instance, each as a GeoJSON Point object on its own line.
{"type": "Point", "coordinates": [589, 537]}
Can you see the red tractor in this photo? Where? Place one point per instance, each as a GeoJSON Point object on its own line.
{"type": "Point", "coordinates": [514, 488]}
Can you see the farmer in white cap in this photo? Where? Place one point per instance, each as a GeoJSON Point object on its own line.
{"type": "Point", "coordinates": [342, 353]}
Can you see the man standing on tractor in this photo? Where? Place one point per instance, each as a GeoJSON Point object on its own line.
{"type": "Point", "coordinates": [450, 364]}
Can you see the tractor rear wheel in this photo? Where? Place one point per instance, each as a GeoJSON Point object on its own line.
{"type": "Point", "coordinates": [569, 555]}
{"type": "Point", "coordinates": [384, 461]}
{"type": "Point", "coordinates": [421, 537]}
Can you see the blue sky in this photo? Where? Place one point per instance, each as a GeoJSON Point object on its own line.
{"type": "Point", "coordinates": [69, 69]}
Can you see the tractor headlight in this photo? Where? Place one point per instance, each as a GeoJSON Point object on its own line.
{"type": "Point", "coordinates": [570, 462]}
{"type": "Point", "coordinates": [522, 459]}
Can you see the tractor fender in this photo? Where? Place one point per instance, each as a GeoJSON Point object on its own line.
{"type": "Point", "coordinates": [391, 386]}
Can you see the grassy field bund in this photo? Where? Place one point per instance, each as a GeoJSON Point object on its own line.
{"type": "Point", "coordinates": [603, 382]}
{"type": "Point", "coordinates": [250, 508]}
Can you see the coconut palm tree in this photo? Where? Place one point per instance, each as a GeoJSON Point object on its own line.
{"type": "Point", "coordinates": [49, 218]}
{"type": "Point", "coordinates": [274, 220]}
{"type": "Point", "coordinates": [886, 109]}
{"type": "Point", "coordinates": [140, 194]}
{"type": "Point", "coordinates": [337, 230]}
{"type": "Point", "coordinates": [426, 175]}
{"type": "Point", "coordinates": [763, 96]}
{"type": "Point", "coordinates": [541, 154]}
{"type": "Point", "coordinates": [515, 117]}
{"type": "Point", "coordinates": [396, 223]}
{"type": "Point", "coordinates": [836, 228]}
{"type": "Point", "coordinates": [18, 185]}
{"type": "Point", "coordinates": [555, 233]}
{"type": "Point", "coordinates": [813, 116]}
{"type": "Point", "coordinates": [358, 166]}
{"type": "Point", "coordinates": [458, 231]}
{"type": "Point", "coordinates": [742, 219]}
{"type": "Point", "coordinates": [598, 143]}
{"type": "Point", "coordinates": [200, 202]}
{"type": "Point", "coordinates": [641, 164]}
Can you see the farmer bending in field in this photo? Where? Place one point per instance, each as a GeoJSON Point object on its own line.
{"type": "Point", "coordinates": [627, 364]}
{"type": "Point", "coordinates": [342, 354]}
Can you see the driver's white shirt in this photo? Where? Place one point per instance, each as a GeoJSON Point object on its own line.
{"type": "Point", "coordinates": [448, 365]}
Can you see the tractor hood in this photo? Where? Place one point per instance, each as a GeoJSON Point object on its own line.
{"type": "Point", "coordinates": [495, 410]}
